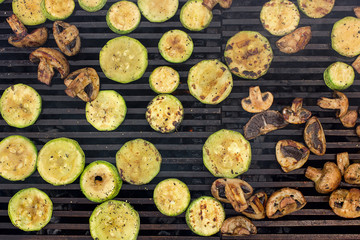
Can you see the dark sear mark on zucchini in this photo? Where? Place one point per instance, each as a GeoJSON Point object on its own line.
{"type": "Point", "coordinates": [327, 179]}
{"type": "Point", "coordinates": [257, 101]}
{"type": "Point", "coordinates": [295, 41]}
{"type": "Point", "coordinates": [346, 203]}
{"type": "Point", "coordinates": [352, 174]}
{"type": "Point", "coordinates": [291, 155]}
{"type": "Point", "coordinates": [340, 102]}
{"type": "Point", "coordinates": [314, 136]}
{"type": "Point", "coordinates": [67, 38]}
{"type": "Point", "coordinates": [256, 206]}
{"type": "Point", "coordinates": [296, 114]}
{"type": "Point", "coordinates": [238, 226]}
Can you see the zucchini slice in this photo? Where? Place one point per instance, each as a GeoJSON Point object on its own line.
{"type": "Point", "coordinates": [123, 17]}
{"type": "Point", "coordinates": [164, 113]}
{"type": "Point", "coordinates": [171, 197]}
{"type": "Point", "coordinates": [92, 5]}
{"type": "Point", "coordinates": [61, 161]}
{"type": "Point", "coordinates": [20, 105]}
{"type": "Point", "coordinates": [316, 8]}
{"type": "Point", "coordinates": [28, 11]}
{"type": "Point", "coordinates": [123, 59]}
{"type": "Point", "coordinates": [176, 46]}
{"type": "Point", "coordinates": [107, 111]}
{"type": "Point", "coordinates": [114, 220]}
{"type": "Point", "coordinates": [57, 9]}
{"type": "Point", "coordinates": [345, 36]}
{"type": "Point", "coordinates": [205, 216]}
{"type": "Point", "coordinates": [210, 81]}
{"type": "Point", "coordinates": [30, 209]}
{"type": "Point", "coordinates": [158, 10]}
{"type": "Point", "coordinates": [248, 54]}
{"type": "Point", "coordinates": [195, 16]}
{"type": "Point", "coordinates": [100, 181]}
{"type": "Point", "coordinates": [18, 157]}
{"type": "Point", "coordinates": [279, 17]}
{"type": "Point", "coordinates": [138, 161]}
{"type": "Point", "coordinates": [164, 79]}
{"type": "Point", "coordinates": [227, 153]}
{"type": "Point", "coordinates": [339, 76]}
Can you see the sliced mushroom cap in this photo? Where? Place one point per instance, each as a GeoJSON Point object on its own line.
{"type": "Point", "coordinates": [257, 101]}
{"type": "Point", "coordinates": [291, 155]}
{"type": "Point", "coordinates": [356, 63]}
{"type": "Point", "coordinates": [256, 206]}
{"type": "Point", "coordinates": [295, 41]}
{"type": "Point", "coordinates": [349, 119]}
{"type": "Point", "coordinates": [264, 122]}
{"type": "Point", "coordinates": [342, 160]}
{"type": "Point", "coordinates": [357, 12]}
{"type": "Point", "coordinates": [346, 203]}
{"type": "Point", "coordinates": [67, 38]}
{"type": "Point", "coordinates": [283, 202]}
{"type": "Point", "coordinates": [314, 136]}
{"type": "Point", "coordinates": [210, 4]}
{"type": "Point", "coordinates": [352, 174]}
{"type": "Point", "coordinates": [358, 131]}
{"type": "Point", "coordinates": [339, 102]}
{"type": "Point", "coordinates": [238, 226]}
{"type": "Point", "coordinates": [326, 179]}
{"type": "Point", "coordinates": [296, 114]}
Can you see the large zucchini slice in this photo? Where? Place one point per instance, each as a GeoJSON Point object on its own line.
{"type": "Point", "coordinates": [92, 5]}
{"type": "Point", "coordinates": [30, 209]}
{"type": "Point", "coordinates": [227, 153]}
{"type": "Point", "coordinates": [158, 10]}
{"type": "Point", "coordinates": [205, 216]}
{"type": "Point", "coordinates": [114, 220]}
{"type": "Point", "coordinates": [210, 81]}
{"type": "Point", "coordinates": [20, 105]}
{"type": "Point", "coordinates": [138, 161]}
{"type": "Point", "coordinates": [61, 161]}
{"type": "Point", "coordinates": [57, 9]}
{"type": "Point", "coordinates": [248, 54]}
{"type": "Point", "coordinates": [123, 17]}
{"type": "Point", "coordinates": [28, 11]}
{"type": "Point", "coordinates": [339, 76]}
{"type": "Point", "coordinates": [316, 8]}
{"type": "Point", "coordinates": [345, 36]}
{"type": "Point", "coordinates": [123, 59]}
{"type": "Point", "coordinates": [18, 157]}
{"type": "Point", "coordinates": [195, 16]}
{"type": "Point", "coordinates": [164, 79]}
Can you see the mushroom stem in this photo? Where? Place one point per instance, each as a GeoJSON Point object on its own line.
{"type": "Point", "coordinates": [313, 174]}
{"type": "Point", "coordinates": [18, 28]}
{"type": "Point", "coordinates": [69, 34]}
{"type": "Point", "coordinates": [45, 72]}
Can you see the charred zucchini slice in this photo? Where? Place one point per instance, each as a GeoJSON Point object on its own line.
{"type": "Point", "coordinates": [210, 81]}
{"type": "Point", "coordinates": [339, 76]}
{"type": "Point", "coordinates": [114, 220]}
{"type": "Point", "coordinates": [30, 209]}
{"type": "Point", "coordinates": [61, 161]}
{"type": "Point", "coordinates": [20, 105]}
{"type": "Point", "coordinates": [164, 79]}
{"type": "Point", "coordinates": [138, 161]}
{"type": "Point", "coordinates": [158, 10]}
{"type": "Point", "coordinates": [123, 59]}
{"type": "Point", "coordinates": [345, 36]}
{"type": "Point", "coordinates": [57, 9]}
{"type": "Point", "coordinates": [92, 5]}
{"type": "Point", "coordinates": [195, 16]}
{"type": "Point", "coordinates": [28, 11]}
{"type": "Point", "coordinates": [123, 17]}
{"type": "Point", "coordinates": [248, 54]}
{"type": "Point", "coordinates": [316, 8]}
{"type": "Point", "coordinates": [205, 216]}
{"type": "Point", "coordinates": [171, 197]}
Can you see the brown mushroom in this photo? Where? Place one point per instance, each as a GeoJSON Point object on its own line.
{"type": "Point", "coordinates": [22, 38]}
{"type": "Point", "coordinates": [49, 59]}
{"type": "Point", "coordinates": [210, 4]}
{"type": "Point", "coordinates": [356, 64]}
{"type": "Point", "coordinates": [296, 114]}
{"type": "Point", "coordinates": [295, 41]}
{"type": "Point", "coordinates": [349, 119]}
{"type": "Point", "coordinates": [357, 12]}
{"type": "Point", "coordinates": [283, 202]}
{"type": "Point", "coordinates": [314, 136]}
{"type": "Point", "coordinates": [256, 206]}
{"type": "Point", "coordinates": [327, 179]}
{"type": "Point", "coordinates": [291, 155]}
{"type": "Point", "coordinates": [342, 160]}
{"type": "Point", "coordinates": [352, 174]}
{"type": "Point", "coordinates": [358, 131]}
{"type": "Point", "coordinates": [339, 102]}
{"type": "Point", "coordinates": [257, 101]}
{"type": "Point", "coordinates": [67, 38]}
{"type": "Point", "coordinates": [346, 203]}
{"type": "Point", "coordinates": [238, 226]}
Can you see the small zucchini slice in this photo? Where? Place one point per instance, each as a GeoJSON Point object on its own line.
{"type": "Point", "coordinates": [164, 79]}
{"type": "Point", "coordinates": [248, 54]}
{"type": "Point", "coordinates": [100, 181]}
{"type": "Point", "coordinates": [279, 17]}
{"type": "Point", "coordinates": [210, 81]}
{"type": "Point", "coordinates": [316, 8]}
{"type": "Point", "coordinates": [61, 161]}
{"type": "Point", "coordinates": [345, 37]}
{"type": "Point", "coordinates": [114, 220]}
{"type": "Point", "coordinates": [227, 153]}
{"type": "Point", "coordinates": [57, 9]}
{"type": "Point", "coordinates": [92, 5]}
{"type": "Point", "coordinates": [107, 111]}
{"type": "Point", "coordinates": [123, 17]}
{"type": "Point", "coordinates": [205, 216]}
{"type": "Point", "coordinates": [164, 113]}
{"type": "Point", "coordinates": [158, 10]}
{"type": "Point", "coordinates": [138, 161]}
{"type": "Point", "coordinates": [123, 59]}
{"type": "Point", "coordinates": [339, 76]}
{"type": "Point", "coordinates": [171, 197]}
{"type": "Point", "coordinates": [195, 16]}
{"type": "Point", "coordinates": [20, 105]}
{"type": "Point", "coordinates": [28, 11]}
{"type": "Point", "coordinates": [18, 157]}
{"type": "Point", "coordinates": [30, 209]}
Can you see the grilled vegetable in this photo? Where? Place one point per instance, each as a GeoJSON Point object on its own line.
{"type": "Point", "coordinates": [339, 102]}
{"type": "Point", "coordinates": [20, 105]}
{"type": "Point", "coordinates": [291, 155]}
{"type": "Point", "coordinates": [248, 54]}
{"type": "Point", "coordinates": [226, 153]}
{"type": "Point", "coordinates": [210, 4]}
{"type": "Point", "coordinates": [314, 136]}
{"type": "Point", "coordinates": [296, 114]}
{"type": "Point", "coordinates": [346, 203]}
{"type": "Point", "coordinates": [61, 161]}
{"type": "Point", "coordinates": [92, 5]}
{"type": "Point", "coordinates": [257, 101]}
{"type": "Point", "coordinates": [342, 161]}
{"type": "Point", "coordinates": [356, 64]}
{"type": "Point", "coordinates": [256, 206]}
{"type": "Point", "coordinates": [349, 119]}
{"type": "Point", "coordinates": [339, 76]}
{"type": "Point", "coordinates": [28, 11]}
{"type": "Point", "coordinates": [30, 209]}
{"type": "Point", "coordinates": [345, 37]}
{"type": "Point", "coordinates": [295, 41]}
{"type": "Point", "coordinates": [164, 79]}
{"type": "Point", "coordinates": [238, 226]}
{"type": "Point", "coordinates": [67, 38]}
{"type": "Point", "coordinates": [316, 8]}
{"type": "Point", "coordinates": [357, 11]}
{"type": "Point", "coordinates": [123, 17]}
{"type": "Point", "coordinates": [176, 46]}
{"type": "Point", "coordinates": [57, 9]}
{"type": "Point", "coordinates": [158, 10]}
{"type": "Point", "coordinates": [326, 179]}
{"type": "Point", "coordinates": [123, 59]}
{"type": "Point", "coordinates": [352, 174]}
{"type": "Point", "coordinates": [210, 81]}
{"type": "Point", "coordinates": [195, 16]}
{"type": "Point", "coordinates": [171, 197]}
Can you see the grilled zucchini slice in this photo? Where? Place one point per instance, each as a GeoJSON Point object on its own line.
{"type": "Point", "coordinates": [107, 111]}
{"type": "Point", "coordinates": [28, 11]}
{"type": "Point", "coordinates": [164, 79]}
{"type": "Point", "coordinates": [61, 161]}
{"type": "Point", "coordinates": [158, 10]}
{"type": "Point", "coordinates": [205, 216]}
{"type": "Point", "coordinates": [57, 9]}
{"type": "Point", "coordinates": [20, 105]}
{"type": "Point", "coordinates": [30, 209]}
{"type": "Point", "coordinates": [210, 81]}
{"type": "Point", "coordinates": [92, 5]}
{"type": "Point", "coordinates": [345, 36]}
{"type": "Point", "coordinates": [279, 17]}
{"type": "Point", "coordinates": [248, 54]}
{"type": "Point", "coordinates": [339, 76]}
{"type": "Point", "coordinates": [114, 220]}
{"type": "Point", "coordinates": [123, 17]}
{"type": "Point", "coordinates": [171, 197]}
{"type": "Point", "coordinates": [123, 59]}
{"type": "Point", "coordinates": [316, 8]}
{"type": "Point", "coordinates": [138, 161]}
{"type": "Point", "coordinates": [176, 46]}
{"type": "Point", "coordinates": [195, 16]}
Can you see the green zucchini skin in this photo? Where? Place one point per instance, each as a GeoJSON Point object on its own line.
{"type": "Point", "coordinates": [28, 11]}
{"type": "Point", "coordinates": [345, 36]}
{"type": "Point", "coordinates": [84, 5]}
{"type": "Point", "coordinates": [339, 76]}
{"type": "Point", "coordinates": [158, 10]}
{"type": "Point", "coordinates": [122, 6]}
{"type": "Point", "coordinates": [190, 21]}
{"type": "Point", "coordinates": [51, 16]}
{"type": "Point", "coordinates": [164, 79]}
{"type": "Point", "coordinates": [316, 9]}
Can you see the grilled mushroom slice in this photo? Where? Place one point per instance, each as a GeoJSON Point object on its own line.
{"type": "Point", "coordinates": [352, 174]}
{"type": "Point", "coordinates": [256, 206]}
{"type": "Point", "coordinates": [67, 38]}
{"type": "Point", "coordinates": [295, 41]}
{"type": "Point", "coordinates": [49, 59]}
{"type": "Point", "coordinates": [296, 114]}
{"type": "Point", "coordinates": [357, 12]}
{"type": "Point", "coordinates": [210, 4]}
{"type": "Point", "coordinates": [342, 160]}
{"type": "Point", "coordinates": [349, 119]}
{"type": "Point", "coordinates": [314, 136]}
{"type": "Point", "coordinates": [346, 203]}
{"type": "Point", "coordinates": [356, 64]}
{"type": "Point", "coordinates": [326, 179]}
{"type": "Point", "coordinates": [291, 155]}
{"type": "Point", "coordinates": [238, 226]}
{"type": "Point", "coordinates": [358, 131]}
{"type": "Point", "coordinates": [283, 202]}
{"type": "Point", "coordinates": [340, 102]}
{"type": "Point", "coordinates": [257, 101]}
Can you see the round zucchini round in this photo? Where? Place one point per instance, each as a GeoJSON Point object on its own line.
{"type": "Point", "coordinates": [339, 76]}
{"type": "Point", "coordinates": [158, 10]}
{"type": "Point", "coordinates": [28, 11]}
{"type": "Point", "coordinates": [316, 9]}
{"type": "Point", "coordinates": [92, 5]}
{"type": "Point", "coordinates": [164, 79]}
{"type": "Point", "coordinates": [57, 9]}
{"type": "Point", "coordinates": [345, 37]}
{"type": "Point", "coordinates": [195, 16]}
{"type": "Point", "coordinates": [123, 17]}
